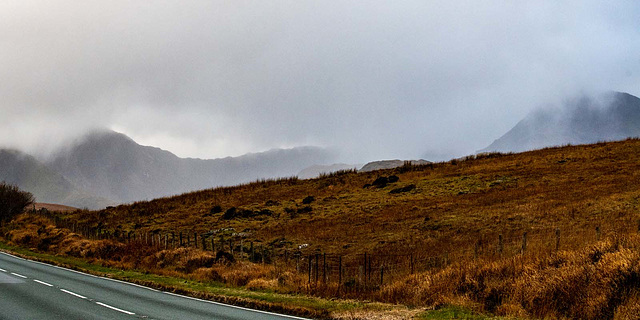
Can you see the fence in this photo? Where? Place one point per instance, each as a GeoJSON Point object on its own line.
{"type": "Point", "coordinates": [354, 273]}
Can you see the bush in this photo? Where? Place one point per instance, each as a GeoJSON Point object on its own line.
{"type": "Point", "coordinates": [13, 201]}
{"type": "Point", "coordinates": [403, 189]}
{"type": "Point", "coordinates": [308, 200]}
{"type": "Point", "coordinates": [215, 209]}
{"type": "Point", "coordinates": [229, 214]}
{"type": "Point", "coordinates": [381, 182]}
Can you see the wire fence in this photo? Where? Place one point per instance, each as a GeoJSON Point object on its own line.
{"type": "Point", "coordinates": [355, 273]}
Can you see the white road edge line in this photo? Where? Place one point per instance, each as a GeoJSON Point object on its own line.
{"type": "Point", "coordinates": [82, 273]}
{"type": "Point", "coordinates": [236, 307]}
{"type": "Point", "coordinates": [73, 294]}
{"type": "Point", "coordinates": [42, 282]}
{"type": "Point", "coordinates": [3, 270]}
{"type": "Point", "coordinates": [154, 290]}
{"type": "Point", "coordinates": [114, 308]}
{"type": "Point", "coordinates": [18, 275]}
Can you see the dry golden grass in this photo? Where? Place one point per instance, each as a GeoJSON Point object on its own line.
{"type": "Point", "coordinates": [449, 224]}
{"type": "Point", "coordinates": [601, 281]}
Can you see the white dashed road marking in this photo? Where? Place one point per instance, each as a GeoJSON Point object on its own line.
{"type": "Point", "coordinates": [73, 294]}
{"type": "Point", "coordinates": [18, 275]}
{"type": "Point", "coordinates": [3, 270]}
{"type": "Point", "coordinates": [114, 308]}
{"type": "Point", "coordinates": [42, 282]}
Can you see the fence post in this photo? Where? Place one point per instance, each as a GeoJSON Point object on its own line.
{"type": "Point", "coordinates": [204, 243]}
{"type": "Point", "coordinates": [381, 275]}
{"type": "Point", "coordinates": [181, 239]}
{"type": "Point", "coordinates": [476, 248]}
{"type": "Point", "coordinates": [500, 244]}
{"type": "Point", "coordinates": [557, 239]}
{"type": "Point", "coordinates": [365, 267]}
{"type": "Point", "coordinates": [411, 263]}
{"type": "Point", "coordinates": [598, 233]}
{"type": "Point", "coordinates": [310, 260]}
{"type": "Point", "coordinates": [369, 274]}
{"type": "Point", "coordinates": [339, 273]}
{"type": "Point", "coordinates": [213, 243]}
{"type": "Point", "coordinates": [195, 240]}
{"type": "Point", "coordinates": [253, 253]}
{"type": "Point", "coordinates": [188, 239]}
{"type": "Point", "coordinates": [524, 242]}
{"type": "Point", "coordinates": [324, 268]}
{"type": "Point", "coordinates": [317, 263]}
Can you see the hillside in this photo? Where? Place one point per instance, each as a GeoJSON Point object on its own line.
{"type": "Point", "coordinates": [46, 185]}
{"type": "Point", "coordinates": [551, 233]}
{"type": "Point", "coordinates": [443, 205]}
{"type": "Point", "coordinates": [586, 119]}
{"type": "Point", "coordinates": [113, 166]}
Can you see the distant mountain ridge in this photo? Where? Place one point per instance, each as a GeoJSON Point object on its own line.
{"type": "Point", "coordinates": [105, 168]}
{"type": "Point", "coordinates": [390, 164]}
{"type": "Point", "coordinates": [113, 166]}
{"type": "Point", "coordinates": [29, 174]}
{"type": "Point", "coordinates": [585, 119]}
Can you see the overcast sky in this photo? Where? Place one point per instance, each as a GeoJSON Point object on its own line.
{"type": "Point", "coordinates": [374, 79]}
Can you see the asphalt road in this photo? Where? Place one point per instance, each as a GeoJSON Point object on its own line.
{"type": "Point", "coordinates": [33, 290]}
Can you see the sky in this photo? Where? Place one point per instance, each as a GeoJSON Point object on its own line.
{"type": "Point", "coordinates": [371, 79]}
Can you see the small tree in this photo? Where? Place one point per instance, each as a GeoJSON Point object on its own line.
{"type": "Point", "coordinates": [13, 201]}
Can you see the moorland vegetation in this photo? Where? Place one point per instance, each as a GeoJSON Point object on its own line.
{"type": "Point", "coordinates": [551, 233]}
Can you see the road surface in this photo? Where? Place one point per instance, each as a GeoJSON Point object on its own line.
{"type": "Point", "coordinates": [34, 290]}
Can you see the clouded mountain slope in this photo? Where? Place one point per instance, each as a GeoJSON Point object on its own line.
{"type": "Point", "coordinates": [46, 185]}
{"type": "Point", "coordinates": [587, 119]}
{"type": "Point", "coordinates": [112, 165]}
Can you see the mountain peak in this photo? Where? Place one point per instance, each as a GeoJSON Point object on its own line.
{"type": "Point", "coordinates": [583, 119]}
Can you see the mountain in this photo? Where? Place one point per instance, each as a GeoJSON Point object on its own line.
{"type": "Point", "coordinates": [113, 166]}
{"type": "Point", "coordinates": [389, 164]}
{"type": "Point", "coordinates": [585, 119]}
{"type": "Point", "coordinates": [29, 174]}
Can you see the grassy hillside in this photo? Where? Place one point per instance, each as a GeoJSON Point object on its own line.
{"type": "Point", "coordinates": [574, 188]}
{"type": "Point", "coordinates": [445, 233]}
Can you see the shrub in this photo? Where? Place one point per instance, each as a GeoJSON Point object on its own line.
{"type": "Point", "coordinates": [305, 209]}
{"type": "Point", "coordinates": [13, 201]}
{"type": "Point", "coordinates": [308, 200]}
{"type": "Point", "coordinates": [381, 182]}
{"type": "Point", "coordinates": [403, 189]}
{"type": "Point", "coordinates": [229, 214]}
{"type": "Point", "coordinates": [216, 209]}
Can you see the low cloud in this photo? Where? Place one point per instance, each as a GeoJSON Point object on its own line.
{"type": "Point", "coordinates": [376, 80]}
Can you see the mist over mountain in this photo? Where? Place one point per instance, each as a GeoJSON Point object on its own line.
{"type": "Point", "coordinates": [584, 119]}
{"type": "Point", "coordinates": [112, 165]}
{"type": "Point", "coordinates": [29, 174]}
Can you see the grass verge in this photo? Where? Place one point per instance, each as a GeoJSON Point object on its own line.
{"type": "Point", "coordinates": [300, 305]}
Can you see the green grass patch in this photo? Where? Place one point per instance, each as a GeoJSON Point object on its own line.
{"type": "Point", "coordinates": [208, 290]}
{"type": "Point", "coordinates": [452, 312]}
